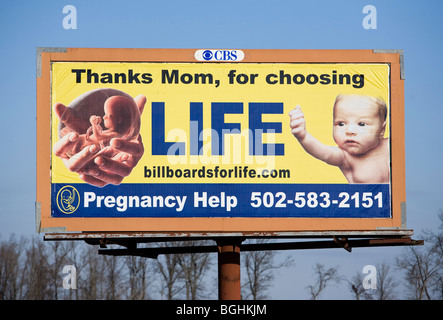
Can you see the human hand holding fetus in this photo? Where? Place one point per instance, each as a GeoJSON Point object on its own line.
{"type": "Point", "coordinates": [99, 155]}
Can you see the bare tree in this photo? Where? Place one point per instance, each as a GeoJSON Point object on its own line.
{"type": "Point", "coordinates": [322, 279]}
{"type": "Point", "coordinates": [58, 251]}
{"type": "Point", "coordinates": [171, 273]}
{"type": "Point", "coordinates": [419, 271]}
{"type": "Point", "coordinates": [73, 257]}
{"type": "Point", "coordinates": [35, 272]}
{"type": "Point", "coordinates": [386, 284]}
{"type": "Point", "coordinates": [384, 289]}
{"type": "Point", "coordinates": [438, 289]}
{"type": "Point", "coordinates": [112, 277]}
{"type": "Point", "coordinates": [356, 287]}
{"type": "Point", "coordinates": [194, 267]}
{"type": "Point", "coordinates": [260, 269]}
{"type": "Point", "coordinates": [138, 277]}
{"type": "Point", "coordinates": [435, 239]}
{"type": "Point", "coordinates": [423, 273]}
{"type": "Point", "coordinates": [423, 266]}
{"type": "Point", "coordinates": [91, 281]}
{"type": "Point", "coordinates": [10, 268]}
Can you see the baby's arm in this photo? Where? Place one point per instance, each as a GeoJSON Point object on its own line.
{"type": "Point", "coordinates": [331, 155]}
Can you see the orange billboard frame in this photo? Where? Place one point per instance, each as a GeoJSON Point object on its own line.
{"type": "Point", "coordinates": [189, 226]}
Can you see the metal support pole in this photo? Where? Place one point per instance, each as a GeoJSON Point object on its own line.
{"type": "Point", "coordinates": [229, 269]}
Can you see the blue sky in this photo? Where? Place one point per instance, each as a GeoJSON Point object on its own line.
{"type": "Point", "coordinates": [415, 27]}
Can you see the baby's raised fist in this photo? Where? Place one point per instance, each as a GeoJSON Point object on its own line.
{"type": "Point", "coordinates": [297, 122]}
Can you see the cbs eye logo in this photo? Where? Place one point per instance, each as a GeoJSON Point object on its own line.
{"type": "Point", "coordinates": [68, 199]}
{"type": "Point", "coordinates": [219, 55]}
{"type": "Point", "coordinates": [207, 55]}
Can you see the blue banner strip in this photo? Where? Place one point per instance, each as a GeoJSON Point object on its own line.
{"type": "Point", "coordinates": [222, 200]}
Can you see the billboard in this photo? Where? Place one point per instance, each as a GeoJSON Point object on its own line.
{"type": "Point", "coordinates": [172, 140]}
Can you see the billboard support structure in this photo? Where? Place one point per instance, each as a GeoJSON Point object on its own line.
{"type": "Point", "coordinates": [228, 251]}
{"type": "Point", "coordinates": [229, 285]}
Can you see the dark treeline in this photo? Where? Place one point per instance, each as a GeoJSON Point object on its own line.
{"type": "Point", "coordinates": [33, 269]}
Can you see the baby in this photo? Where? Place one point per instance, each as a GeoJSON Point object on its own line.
{"type": "Point", "coordinates": [121, 120]}
{"type": "Point", "coordinates": [359, 124]}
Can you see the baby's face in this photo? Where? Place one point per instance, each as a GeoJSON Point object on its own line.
{"type": "Point", "coordinates": [358, 127]}
{"type": "Point", "coordinates": [108, 119]}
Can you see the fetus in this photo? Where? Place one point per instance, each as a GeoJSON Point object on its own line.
{"type": "Point", "coordinates": [121, 119]}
